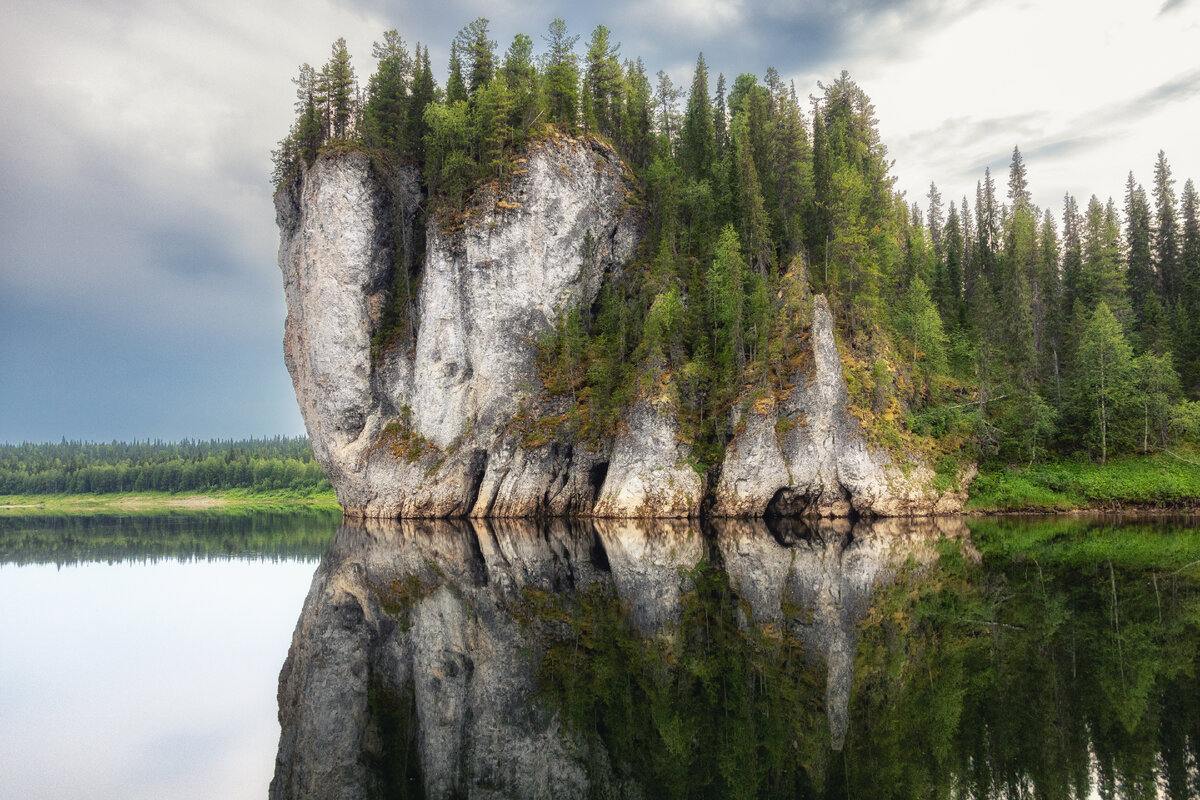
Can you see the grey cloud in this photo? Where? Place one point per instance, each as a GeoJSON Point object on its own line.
{"type": "Point", "coordinates": [1171, 5]}
{"type": "Point", "coordinates": [1178, 89]}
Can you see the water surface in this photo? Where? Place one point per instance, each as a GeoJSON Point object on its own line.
{"type": "Point", "coordinates": [1013, 658]}
{"type": "Point", "coordinates": [139, 656]}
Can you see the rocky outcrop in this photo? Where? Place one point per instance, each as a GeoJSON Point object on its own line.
{"type": "Point", "coordinates": [809, 457]}
{"type": "Point", "coordinates": [437, 426]}
{"type": "Point", "coordinates": [422, 431]}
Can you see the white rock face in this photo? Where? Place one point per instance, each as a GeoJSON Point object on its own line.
{"type": "Point", "coordinates": [422, 433]}
{"type": "Point", "coordinates": [649, 475]}
{"type": "Point", "coordinates": [426, 429]}
{"type": "Point", "coordinates": [821, 465]}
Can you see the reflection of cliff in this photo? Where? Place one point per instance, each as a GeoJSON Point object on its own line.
{"type": "Point", "coordinates": [407, 674]}
{"type": "Point", "coordinates": [824, 573]}
{"type": "Point", "coordinates": [502, 659]}
{"type": "Point", "coordinates": [415, 665]}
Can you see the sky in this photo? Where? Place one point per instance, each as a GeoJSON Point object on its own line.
{"type": "Point", "coordinates": [139, 291]}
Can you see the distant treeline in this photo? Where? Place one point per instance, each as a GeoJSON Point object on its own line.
{"type": "Point", "coordinates": [87, 467]}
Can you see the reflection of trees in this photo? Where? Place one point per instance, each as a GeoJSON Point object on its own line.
{"type": "Point", "coordinates": [573, 659]}
{"type": "Point", "coordinates": [71, 540]}
{"type": "Point", "coordinates": [1050, 674]}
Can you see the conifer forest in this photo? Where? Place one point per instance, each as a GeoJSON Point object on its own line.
{"type": "Point", "coordinates": [976, 328]}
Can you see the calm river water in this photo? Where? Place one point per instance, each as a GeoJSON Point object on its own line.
{"type": "Point", "coordinates": [1052, 658]}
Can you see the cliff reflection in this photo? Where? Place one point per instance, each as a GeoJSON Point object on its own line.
{"type": "Point", "coordinates": [616, 659]}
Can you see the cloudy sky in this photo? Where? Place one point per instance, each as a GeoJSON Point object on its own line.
{"type": "Point", "coordinates": [139, 295]}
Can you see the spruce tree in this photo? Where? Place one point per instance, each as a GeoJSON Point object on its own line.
{"type": "Point", "coordinates": [1139, 268]}
{"type": "Point", "coordinates": [520, 76]}
{"type": "Point", "coordinates": [473, 45]}
{"type": "Point", "coordinates": [387, 94]}
{"type": "Point", "coordinates": [561, 68]}
{"type": "Point", "coordinates": [602, 84]}
{"type": "Point", "coordinates": [1166, 233]}
{"type": "Point", "coordinates": [424, 92]}
{"type": "Point", "coordinates": [456, 86]}
{"type": "Point", "coordinates": [697, 138]}
{"type": "Point", "coordinates": [1189, 260]}
{"type": "Point", "coordinates": [341, 91]}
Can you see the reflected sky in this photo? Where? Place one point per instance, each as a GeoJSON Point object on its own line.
{"type": "Point", "coordinates": [143, 680]}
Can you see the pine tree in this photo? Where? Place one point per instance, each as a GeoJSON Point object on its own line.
{"type": "Point", "coordinates": [665, 97]}
{"type": "Point", "coordinates": [1189, 259]}
{"type": "Point", "coordinates": [637, 126]}
{"type": "Point", "coordinates": [1139, 268]}
{"type": "Point", "coordinates": [520, 76]}
{"type": "Point", "coordinates": [456, 87]}
{"type": "Point", "coordinates": [948, 288]}
{"type": "Point", "coordinates": [697, 138]}
{"type": "Point", "coordinates": [387, 94]}
{"type": "Point", "coordinates": [1047, 311]}
{"type": "Point", "coordinates": [720, 118]}
{"type": "Point", "coordinates": [561, 69]}
{"type": "Point", "coordinates": [341, 91]}
{"type": "Point", "coordinates": [726, 301]}
{"type": "Point", "coordinates": [935, 220]}
{"type": "Point", "coordinates": [473, 44]}
{"type": "Point", "coordinates": [492, 104]}
{"type": "Point", "coordinates": [1166, 234]}
{"type": "Point", "coordinates": [424, 92]}
{"type": "Point", "coordinates": [602, 84]}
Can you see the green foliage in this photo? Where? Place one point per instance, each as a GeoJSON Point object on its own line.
{"type": "Point", "coordinates": [189, 465]}
{"type": "Point", "coordinates": [1162, 480]}
{"type": "Point", "coordinates": [984, 308]}
{"type": "Point", "coordinates": [717, 709]}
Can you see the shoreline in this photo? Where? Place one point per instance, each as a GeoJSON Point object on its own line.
{"type": "Point", "coordinates": [223, 501]}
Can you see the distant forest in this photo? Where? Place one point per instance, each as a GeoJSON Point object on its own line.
{"type": "Point", "coordinates": [981, 328]}
{"type": "Point", "coordinates": [276, 464]}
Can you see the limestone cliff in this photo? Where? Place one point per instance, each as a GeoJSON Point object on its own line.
{"type": "Point", "coordinates": [426, 429]}
{"type": "Point", "coordinates": [422, 432]}
{"type": "Point", "coordinates": [820, 463]}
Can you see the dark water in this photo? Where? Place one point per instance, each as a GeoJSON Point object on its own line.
{"type": "Point", "coordinates": [1013, 658]}
{"type": "Point", "coordinates": [139, 657]}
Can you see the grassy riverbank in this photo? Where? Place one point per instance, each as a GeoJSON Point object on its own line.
{"type": "Point", "coordinates": [222, 501]}
{"type": "Point", "coordinates": [1157, 481]}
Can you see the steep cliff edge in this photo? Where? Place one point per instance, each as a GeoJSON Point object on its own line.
{"type": "Point", "coordinates": [426, 429]}
{"type": "Point", "coordinates": [421, 432]}
{"type": "Point", "coordinates": [819, 463]}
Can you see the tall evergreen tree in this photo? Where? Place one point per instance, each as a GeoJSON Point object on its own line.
{"type": "Point", "coordinates": [1139, 269]}
{"type": "Point", "coordinates": [456, 86]}
{"type": "Point", "coordinates": [1166, 233]}
{"type": "Point", "coordinates": [602, 84]}
{"type": "Point", "coordinates": [520, 76]}
{"type": "Point", "coordinates": [561, 68]}
{"type": "Point", "coordinates": [387, 94]}
{"type": "Point", "coordinates": [697, 138]}
{"type": "Point", "coordinates": [479, 52]}
{"type": "Point", "coordinates": [637, 127]}
{"type": "Point", "coordinates": [424, 92]}
{"type": "Point", "coordinates": [665, 97]}
{"type": "Point", "coordinates": [1189, 259]}
{"type": "Point", "coordinates": [935, 220]}
{"type": "Point", "coordinates": [341, 91]}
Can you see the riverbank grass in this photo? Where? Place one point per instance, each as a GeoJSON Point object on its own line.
{"type": "Point", "coordinates": [228, 501]}
{"type": "Point", "coordinates": [1155, 481]}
